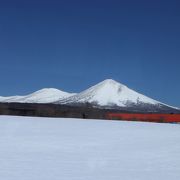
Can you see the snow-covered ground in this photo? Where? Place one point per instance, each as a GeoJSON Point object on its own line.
{"type": "Point", "coordinates": [73, 149]}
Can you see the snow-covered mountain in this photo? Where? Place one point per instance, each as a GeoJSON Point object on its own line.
{"type": "Point", "coordinates": [46, 95]}
{"type": "Point", "coordinates": [112, 94]}
{"type": "Point", "coordinates": [108, 93]}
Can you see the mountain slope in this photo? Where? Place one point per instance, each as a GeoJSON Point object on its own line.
{"type": "Point", "coordinates": [46, 95]}
{"type": "Point", "coordinates": [10, 98]}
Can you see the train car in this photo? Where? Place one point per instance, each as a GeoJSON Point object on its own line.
{"type": "Point", "coordinates": [160, 118]}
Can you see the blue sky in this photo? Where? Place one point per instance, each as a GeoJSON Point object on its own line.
{"type": "Point", "coordinates": [72, 45]}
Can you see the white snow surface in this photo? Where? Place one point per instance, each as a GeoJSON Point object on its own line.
{"type": "Point", "coordinates": [107, 93]}
{"type": "Point", "coordinates": [46, 95]}
{"type": "Point", "coordinates": [74, 149]}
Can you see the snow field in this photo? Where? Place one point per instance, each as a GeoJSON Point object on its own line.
{"type": "Point", "coordinates": [73, 149]}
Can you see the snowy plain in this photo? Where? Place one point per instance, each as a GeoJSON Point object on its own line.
{"type": "Point", "coordinates": [34, 148]}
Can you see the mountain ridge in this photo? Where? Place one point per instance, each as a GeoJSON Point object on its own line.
{"type": "Point", "coordinates": [45, 95]}
{"type": "Point", "coordinates": [106, 94]}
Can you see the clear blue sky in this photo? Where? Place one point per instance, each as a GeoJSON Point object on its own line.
{"type": "Point", "coordinates": [72, 45]}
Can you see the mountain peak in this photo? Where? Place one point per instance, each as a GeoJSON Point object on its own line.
{"type": "Point", "coordinates": [110, 83]}
{"type": "Point", "coordinates": [49, 91]}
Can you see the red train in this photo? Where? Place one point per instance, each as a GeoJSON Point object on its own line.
{"type": "Point", "coordinates": [161, 118]}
